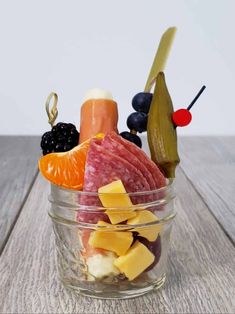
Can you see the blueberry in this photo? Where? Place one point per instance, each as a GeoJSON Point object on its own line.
{"type": "Point", "coordinates": [141, 102]}
{"type": "Point", "coordinates": [137, 121]}
{"type": "Point", "coordinates": [132, 138]}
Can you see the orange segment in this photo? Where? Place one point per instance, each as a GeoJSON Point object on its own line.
{"type": "Point", "coordinates": [66, 169]}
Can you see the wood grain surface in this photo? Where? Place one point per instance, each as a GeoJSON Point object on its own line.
{"type": "Point", "coordinates": [201, 276]}
{"type": "Point", "coordinates": [201, 272]}
{"type": "Point", "coordinates": [18, 167]}
{"type": "Point", "coordinates": [209, 164]}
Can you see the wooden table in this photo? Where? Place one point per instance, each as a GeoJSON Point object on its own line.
{"type": "Point", "coordinates": [201, 276]}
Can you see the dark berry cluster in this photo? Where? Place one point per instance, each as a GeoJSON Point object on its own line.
{"type": "Point", "coordinates": [137, 121]}
{"type": "Point", "coordinates": [61, 138]}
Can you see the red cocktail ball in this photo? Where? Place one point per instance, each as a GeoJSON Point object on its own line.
{"type": "Point", "coordinates": [181, 117]}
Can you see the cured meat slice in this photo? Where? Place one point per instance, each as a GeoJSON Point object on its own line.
{"type": "Point", "coordinates": [112, 144]}
{"type": "Point", "coordinates": [104, 167]}
{"type": "Point", "coordinates": [157, 175]}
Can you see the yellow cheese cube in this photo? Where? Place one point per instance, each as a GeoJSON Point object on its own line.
{"type": "Point", "coordinates": [105, 224]}
{"type": "Point", "coordinates": [148, 232]}
{"type": "Point", "coordinates": [120, 200]}
{"type": "Point", "coordinates": [114, 195]}
{"type": "Point", "coordinates": [135, 261]}
{"type": "Point", "coordinates": [119, 216]}
{"type": "Point", "coordinates": [116, 241]}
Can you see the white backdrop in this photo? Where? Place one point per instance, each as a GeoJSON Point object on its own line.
{"type": "Point", "coordinates": [72, 46]}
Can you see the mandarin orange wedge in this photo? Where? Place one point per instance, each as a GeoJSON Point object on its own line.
{"type": "Point", "coordinates": [66, 169]}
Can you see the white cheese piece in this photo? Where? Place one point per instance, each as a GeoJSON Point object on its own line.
{"type": "Point", "coordinates": [100, 265]}
{"type": "Point", "coordinates": [97, 93]}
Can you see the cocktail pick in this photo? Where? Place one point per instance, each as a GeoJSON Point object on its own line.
{"type": "Point", "coordinates": [53, 113]}
{"type": "Point", "coordinates": [183, 117]}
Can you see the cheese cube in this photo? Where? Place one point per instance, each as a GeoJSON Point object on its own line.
{"type": "Point", "coordinates": [119, 216]}
{"type": "Point", "coordinates": [105, 224]}
{"type": "Point", "coordinates": [148, 232]}
{"type": "Point", "coordinates": [116, 241]}
{"type": "Point", "coordinates": [114, 195]}
{"type": "Point", "coordinates": [135, 261]}
{"type": "Point", "coordinates": [120, 200]}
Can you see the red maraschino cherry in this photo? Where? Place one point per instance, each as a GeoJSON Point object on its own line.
{"type": "Point", "coordinates": [183, 117]}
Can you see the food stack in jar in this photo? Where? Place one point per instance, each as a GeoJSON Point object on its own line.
{"type": "Point", "coordinates": [98, 159]}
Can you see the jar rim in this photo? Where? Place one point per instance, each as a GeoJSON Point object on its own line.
{"type": "Point", "coordinates": [111, 227]}
{"type": "Point", "coordinates": [167, 187]}
{"type": "Point", "coordinates": [66, 200]}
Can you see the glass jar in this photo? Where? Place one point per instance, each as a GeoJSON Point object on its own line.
{"type": "Point", "coordinates": [98, 255]}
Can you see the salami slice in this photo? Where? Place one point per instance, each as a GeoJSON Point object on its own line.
{"type": "Point", "coordinates": [104, 167]}
{"type": "Point", "coordinates": [158, 177]}
{"type": "Point", "coordinates": [112, 143]}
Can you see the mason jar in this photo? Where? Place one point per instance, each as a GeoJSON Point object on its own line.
{"type": "Point", "coordinates": [99, 256]}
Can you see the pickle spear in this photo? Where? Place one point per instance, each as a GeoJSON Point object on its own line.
{"type": "Point", "coordinates": [160, 57]}
{"type": "Point", "coordinates": [161, 132]}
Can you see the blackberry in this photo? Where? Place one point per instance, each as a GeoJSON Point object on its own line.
{"type": "Point", "coordinates": [47, 141]}
{"type": "Point", "coordinates": [62, 138]}
{"type": "Point", "coordinates": [59, 147]}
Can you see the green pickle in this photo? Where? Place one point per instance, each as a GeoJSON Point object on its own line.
{"type": "Point", "coordinates": [161, 132]}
